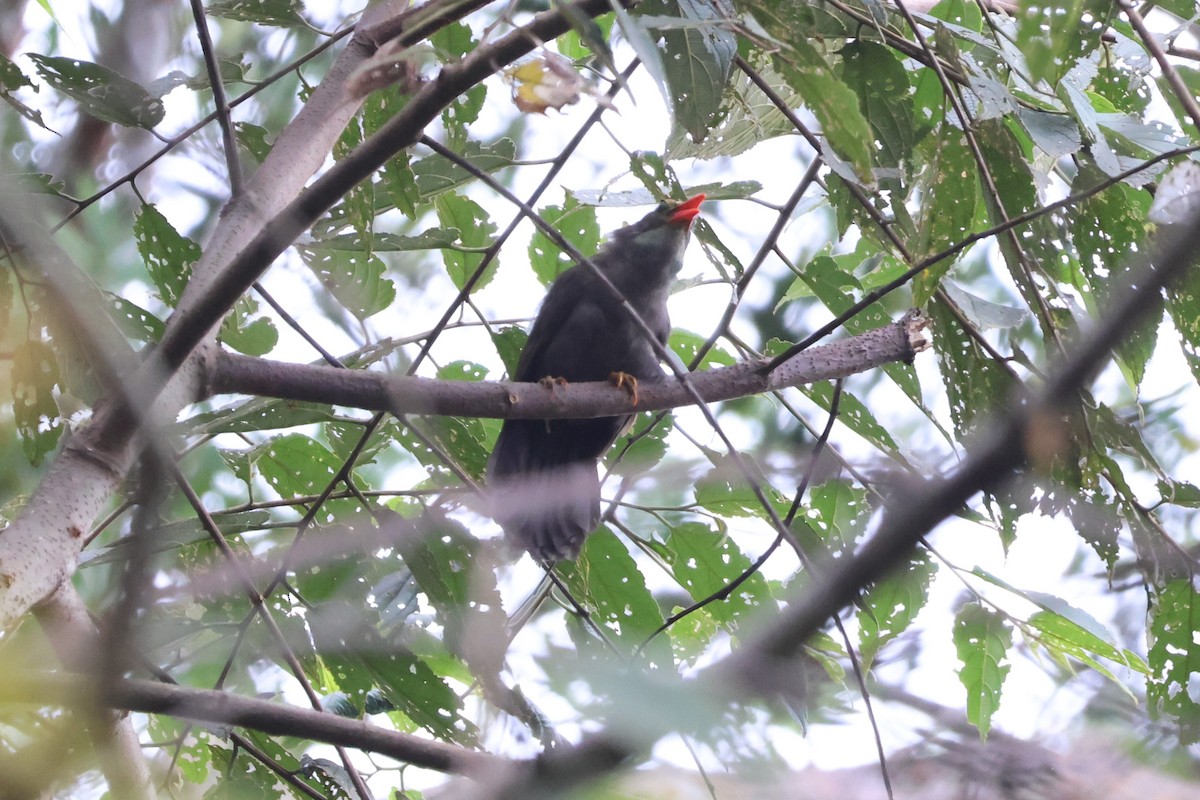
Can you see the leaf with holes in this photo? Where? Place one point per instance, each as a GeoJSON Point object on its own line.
{"type": "Point", "coordinates": [296, 465]}
{"type": "Point", "coordinates": [577, 224]}
{"type": "Point", "coordinates": [705, 562]}
{"type": "Point", "coordinates": [278, 13]}
{"type": "Point", "coordinates": [890, 606]}
{"type": "Point", "coordinates": [435, 174]}
{"type": "Point", "coordinates": [355, 278]}
{"type": "Point", "coordinates": [982, 639]}
{"type": "Point", "coordinates": [606, 580]}
{"type": "Point", "coordinates": [100, 92]}
{"type": "Point", "coordinates": [34, 376]}
{"type": "Point", "coordinates": [476, 229]}
{"type": "Point", "coordinates": [697, 58]}
{"type": "Point", "coordinates": [1174, 656]}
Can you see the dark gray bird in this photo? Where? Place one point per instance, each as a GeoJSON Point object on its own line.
{"type": "Point", "coordinates": [543, 472]}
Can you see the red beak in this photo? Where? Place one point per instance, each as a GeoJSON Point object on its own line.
{"type": "Point", "coordinates": [686, 211]}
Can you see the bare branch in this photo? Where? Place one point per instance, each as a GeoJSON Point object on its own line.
{"type": "Point", "coordinates": [260, 715]}
{"type": "Point", "coordinates": [899, 341]}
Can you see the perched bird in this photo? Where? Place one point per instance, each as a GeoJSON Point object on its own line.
{"type": "Point", "coordinates": [542, 473]}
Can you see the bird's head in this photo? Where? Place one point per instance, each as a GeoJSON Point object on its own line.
{"type": "Point", "coordinates": [659, 238]}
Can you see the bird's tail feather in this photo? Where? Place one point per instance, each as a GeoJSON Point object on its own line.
{"type": "Point", "coordinates": [549, 512]}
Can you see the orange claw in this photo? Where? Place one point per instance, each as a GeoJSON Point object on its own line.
{"type": "Point", "coordinates": [623, 380]}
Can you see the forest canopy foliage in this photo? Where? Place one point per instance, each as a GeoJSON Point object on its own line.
{"type": "Point", "coordinates": [290, 573]}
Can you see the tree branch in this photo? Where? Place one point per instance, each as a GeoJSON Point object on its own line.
{"type": "Point", "coordinates": [260, 715]}
{"type": "Point", "coordinates": [899, 341]}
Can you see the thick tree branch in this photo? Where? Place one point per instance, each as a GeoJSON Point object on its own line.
{"type": "Point", "coordinates": [38, 551]}
{"type": "Point", "coordinates": [375, 391]}
{"type": "Point", "coordinates": [260, 715]}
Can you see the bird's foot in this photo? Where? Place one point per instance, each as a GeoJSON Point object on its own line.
{"type": "Point", "coordinates": [552, 382]}
{"type": "Point", "coordinates": [623, 380]}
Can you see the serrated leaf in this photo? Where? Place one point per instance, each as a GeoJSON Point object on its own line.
{"type": "Point", "coordinates": [705, 561]}
{"type": "Point", "coordinates": [296, 465]}
{"type": "Point", "coordinates": [982, 639]}
{"type": "Point", "coordinates": [577, 224]}
{"type": "Point", "coordinates": [833, 103]}
{"type": "Point", "coordinates": [890, 606]}
{"type": "Point", "coordinates": [881, 82]}
{"type": "Point", "coordinates": [34, 375]}
{"type": "Point", "coordinates": [983, 314]}
{"type": "Point", "coordinates": [698, 59]}
{"type": "Point", "coordinates": [606, 579]}
{"type": "Point", "coordinates": [1174, 657]}
{"type": "Point", "coordinates": [747, 117]}
{"type": "Point", "coordinates": [510, 341]}
{"type": "Point", "coordinates": [974, 383]}
{"type": "Point", "coordinates": [1107, 229]}
{"type": "Point", "coordinates": [279, 13]}
{"type": "Point", "coordinates": [436, 174]}
{"type": "Point", "coordinates": [100, 91]}
{"type": "Point", "coordinates": [642, 448]}
{"type": "Point", "coordinates": [476, 229]}
{"type": "Point", "coordinates": [602, 198]}
{"type": "Point", "coordinates": [355, 278]}
{"type": "Point", "coordinates": [1054, 33]}
{"type": "Point", "coordinates": [168, 254]}
{"type": "Point", "coordinates": [946, 217]}
{"type": "Point", "coordinates": [247, 333]}
{"type": "Point", "coordinates": [134, 321]}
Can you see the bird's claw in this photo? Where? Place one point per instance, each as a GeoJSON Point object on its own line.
{"type": "Point", "coordinates": [552, 382]}
{"type": "Point", "coordinates": [623, 380]}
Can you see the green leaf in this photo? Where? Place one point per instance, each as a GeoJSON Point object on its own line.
{"type": "Point", "coordinates": [577, 224]}
{"type": "Point", "coordinates": [246, 332]}
{"type": "Point", "coordinates": [476, 229]}
{"type": "Point", "coordinates": [833, 103]}
{"type": "Point", "coordinates": [643, 447]}
{"type": "Point", "coordinates": [890, 606]}
{"type": "Point", "coordinates": [34, 376]}
{"type": "Point", "coordinates": [1107, 228]}
{"type": "Point", "coordinates": [133, 320]}
{"type": "Point", "coordinates": [747, 117]}
{"type": "Point", "coordinates": [951, 193]}
{"type": "Point", "coordinates": [253, 140]}
{"type": "Point", "coordinates": [975, 385]}
{"type": "Point", "coordinates": [606, 580]}
{"type": "Point", "coordinates": [436, 174]}
{"type": "Point", "coordinates": [852, 413]}
{"type": "Point", "coordinates": [1174, 657]}
{"type": "Point", "coordinates": [982, 639]}
{"type": "Point", "coordinates": [257, 414]}
{"type": "Point", "coordinates": [510, 341]}
{"type": "Point", "coordinates": [100, 92]}
{"type": "Point", "coordinates": [880, 80]}
{"type": "Point", "coordinates": [705, 561]}
{"type": "Point", "coordinates": [356, 279]}
{"type": "Point", "coordinates": [603, 198]}
{"type": "Point", "coordinates": [1054, 33]}
{"type": "Point", "coordinates": [454, 572]}
{"type": "Point", "coordinates": [278, 13]}
{"type": "Point", "coordinates": [724, 491]}
{"type": "Point", "coordinates": [168, 254]}
{"type": "Point", "coordinates": [687, 345]}
{"type": "Point", "coordinates": [697, 58]}
{"type": "Point", "coordinates": [296, 465]}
